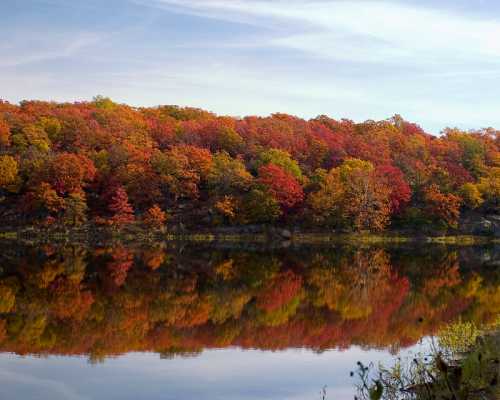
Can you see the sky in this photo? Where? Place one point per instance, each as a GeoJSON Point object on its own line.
{"type": "Point", "coordinates": [436, 63]}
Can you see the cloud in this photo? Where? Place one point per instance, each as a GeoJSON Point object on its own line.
{"type": "Point", "coordinates": [362, 31]}
{"type": "Point", "coordinates": [45, 47]}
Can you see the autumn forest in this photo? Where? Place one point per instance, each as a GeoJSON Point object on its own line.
{"type": "Point", "coordinates": [111, 165]}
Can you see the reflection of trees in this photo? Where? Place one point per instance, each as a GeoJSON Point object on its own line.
{"type": "Point", "coordinates": [112, 300]}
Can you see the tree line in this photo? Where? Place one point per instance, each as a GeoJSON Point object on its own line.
{"type": "Point", "coordinates": [112, 164]}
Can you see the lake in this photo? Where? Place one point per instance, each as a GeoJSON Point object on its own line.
{"type": "Point", "coordinates": [226, 321]}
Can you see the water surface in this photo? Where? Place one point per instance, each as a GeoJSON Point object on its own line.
{"type": "Point", "coordinates": [176, 321]}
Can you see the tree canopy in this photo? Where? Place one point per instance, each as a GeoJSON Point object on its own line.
{"type": "Point", "coordinates": [108, 161]}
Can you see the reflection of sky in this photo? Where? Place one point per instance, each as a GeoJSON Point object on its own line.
{"type": "Point", "coordinates": [215, 374]}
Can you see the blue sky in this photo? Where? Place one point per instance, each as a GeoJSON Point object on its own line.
{"type": "Point", "coordinates": [434, 62]}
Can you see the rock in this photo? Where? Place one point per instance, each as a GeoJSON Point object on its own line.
{"type": "Point", "coordinates": [488, 225]}
{"type": "Point", "coordinates": [483, 227]}
{"type": "Point", "coordinates": [286, 233]}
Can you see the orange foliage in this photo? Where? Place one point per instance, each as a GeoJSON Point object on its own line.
{"type": "Point", "coordinates": [187, 159]}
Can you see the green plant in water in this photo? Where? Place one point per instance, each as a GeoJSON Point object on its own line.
{"type": "Point", "coordinates": [459, 337]}
{"type": "Point", "coordinates": [465, 366]}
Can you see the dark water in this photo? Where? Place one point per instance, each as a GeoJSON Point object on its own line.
{"type": "Point", "coordinates": [175, 321]}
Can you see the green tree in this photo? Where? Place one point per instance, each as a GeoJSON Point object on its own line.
{"type": "Point", "coordinates": [228, 175]}
{"type": "Point", "coordinates": [260, 206]}
{"type": "Point", "coordinates": [281, 159]}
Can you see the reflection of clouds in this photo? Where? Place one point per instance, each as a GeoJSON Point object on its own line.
{"type": "Point", "coordinates": [215, 374]}
{"type": "Point", "coordinates": [17, 385]}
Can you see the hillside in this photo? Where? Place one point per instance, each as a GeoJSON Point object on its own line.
{"type": "Point", "coordinates": [111, 164]}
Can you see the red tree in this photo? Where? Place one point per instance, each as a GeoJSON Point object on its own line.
{"type": "Point", "coordinates": [400, 190]}
{"type": "Point", "coordinates": [441, 206]}
{"type": "Point", "coordinates": [282, 185]}
{"type": "Point", "coordinates": [123, 213]}
{"type": "Point", "coordinates": [68, 172]}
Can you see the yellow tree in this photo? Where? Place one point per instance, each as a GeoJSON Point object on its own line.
{"type": "Point", "coordinates": [8, 171]}
{"type": "Point", "coordinates": [489, 187]}
{"type": "Point", "coordinates": [351, 195]}
{"type": "Point", "coordinates": [471, 196]}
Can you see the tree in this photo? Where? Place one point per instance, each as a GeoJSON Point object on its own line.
{"type": "Point", "coordinates": [229, 140]}
{"type": "Point", "coordinates": [227, 208]}
{"type": "Point", "coordinates": [489, 186]}
{"type": "Point", "coordinates": [352, 196]}
{"type": "Point", "coordinates": [281, 185]}
{"type": "Point", "coordinates": [259, 206]}
{"type": "Point", "coordinates": [4, 133]}
{"type": "Point", "coordinates": [366, 203]}
{"type": "Point", "coordinates": [471, 148]}
{"type": "Point", "coordinates": [31, 136]}
{"type": "Point", "coordinates": [442, 207]}
{"type": "Point", "coordinates": [75, 209]}
{"type": "Point", "coordinates": [43, 201]}
{"type": "Point", "coordinates": [471, 196]}
{"type": "Point", "coordinates": [155, 217]}
{"type": "Point", "coordinates": [326, 201]}
{"type": "Point", "coordinates": [353, 175]}
{"type": "Point", "coordinates": [52, 127]}
{"type": "Point", "coordinates": [281, 159]}
{"type": "Point", "coordinates": [228, 175]}
{"type": "Point", "coordinates": [69, 172]}
{"type": "Point", "coordinates": [182, 168]}
{"type": "Point", "coordinates": [393, 178]}
{"type": "Point", "coordinates": [104, 103]}
{"type": "Point", "coordinates": [142, 184]}
{"type": "Point", "coordinates": [8, 171]}
{"type": "Point", "coordinates": [122, 211]}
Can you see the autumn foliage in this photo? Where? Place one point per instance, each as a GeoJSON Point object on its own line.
{"type": "Point", "coordinates": [99, 161]}
{"type": "Point", "coordinates": [281, 185]}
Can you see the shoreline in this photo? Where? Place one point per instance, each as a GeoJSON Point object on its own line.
{"type": "Point", "coordinates": [257, 235]}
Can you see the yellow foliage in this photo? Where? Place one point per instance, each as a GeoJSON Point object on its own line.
{"type": "Point", "coordinates": [8, 171]}
{"type": "Point", "coordinates": [471, 196]}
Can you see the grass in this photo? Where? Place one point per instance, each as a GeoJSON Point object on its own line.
{"type": "Point", "coordinates": [465, 366]}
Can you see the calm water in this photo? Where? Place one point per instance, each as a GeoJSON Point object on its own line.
{"type": "Point", "coordinates": [173, 321]}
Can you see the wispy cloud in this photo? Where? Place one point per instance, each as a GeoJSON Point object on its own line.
{"type": "Point", "coordinates": [360, 59]}
{"type": "Point", "coordinates": [362, 31]}
{"type": "Point", "coordinates": [45, 47]}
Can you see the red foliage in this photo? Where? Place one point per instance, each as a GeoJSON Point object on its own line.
{"type": "Point", "coordinates": [394, 178]}
{"type": "Point", "coordinates": [121, 209]}
{"type": "Point", "coordinates": [165, 155]}
{"type": "Point", "coordinates": [282, 185]}
{"type": "Point", "coordinates": [68, 172]}
{"type": "Point", "coordinates": [441, 206]}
